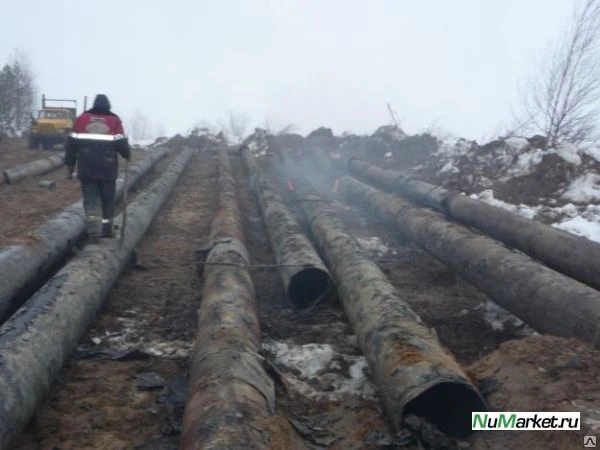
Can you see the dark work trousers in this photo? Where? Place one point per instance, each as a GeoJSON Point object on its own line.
{"type": "Point", "coordinates": [99, 205]}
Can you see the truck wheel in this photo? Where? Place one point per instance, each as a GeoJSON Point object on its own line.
{"type": "Point", "coordinates": [32, 143]}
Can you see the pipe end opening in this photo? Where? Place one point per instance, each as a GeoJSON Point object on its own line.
{"type": "Point", "coordinates": [448, 406]}
{"type": "Point", "coordinates": [307, 286]}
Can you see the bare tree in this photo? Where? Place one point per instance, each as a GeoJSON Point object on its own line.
{"type": "Point", "coordinates": [138, 126]}
{"type": "Point", "coordinates": [562, 101]}
{"type": "Point", "coordinates": [237, 125]}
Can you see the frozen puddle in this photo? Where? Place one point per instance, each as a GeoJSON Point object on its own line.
{"type": "Point", "coordinates": [317, 371]}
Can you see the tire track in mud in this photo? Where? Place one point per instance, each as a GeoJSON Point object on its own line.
{"type": "Point", "coordinates": [125, 386]}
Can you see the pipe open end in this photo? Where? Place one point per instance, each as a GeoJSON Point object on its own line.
{"type": "Point", "coordinates": [307, 286]}
{"type": "Point", "coordinates": [448, 406]}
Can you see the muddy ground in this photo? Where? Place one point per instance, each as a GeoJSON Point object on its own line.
{"type": "Point", "coordinates": [26, 205]}
{"type": "Point", "coordinates": [125, 386]}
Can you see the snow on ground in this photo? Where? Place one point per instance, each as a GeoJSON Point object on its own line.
{"type": "Point", "coordinates": [584, 189]}
{"type": "Point", "coordinates": [522, 210]}
{"type": "Point", "coordinates": [526, 163]}
{"type": "Point", "coordinates": [453, 148]}
{"type": "Point", "coordinates": [499, 318]}
{"type": "Point", "coordinates": [318, 371]}
{"type": "Point", "coordinates": [586, 224]}
{"type": "Point", "coordinates": [130, 336]}
{"type": "Point", "coordinates": [594, 152]}
{"type": "Point", "coordinates": [582, 221]}
{"type": "Point", "coordinates": [373, 245]}
{"type": "Point", "coordinates": [569, 153]}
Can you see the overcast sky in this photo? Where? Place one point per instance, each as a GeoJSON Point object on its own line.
{"type": "Point", "coordinates": [310, 63]}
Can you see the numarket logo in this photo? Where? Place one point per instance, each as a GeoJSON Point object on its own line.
{"type": "Point", "coordinates": [525, 421]}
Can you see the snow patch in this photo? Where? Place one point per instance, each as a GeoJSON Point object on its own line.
{"type": "Point", "coordinates": [569, 153]}
{"type": "Point", "coordinates": [586, 224]}
{"type": "Point", "coordinates": [373, 245]}
{"type": "Point", "coordinates": [584, 189]}
{"type": "Point", "coordinates": [526, 163]}
{"type": "Point", "coordinates": [517, 142]}
{"type": "Point", "coordinates": [594, 152]}
{"type": "Point", "coordinates": [449, 167]}
{"type": "Point", "coordinates": [499, 318]}
{"type": "Point", "coordinates": [522, 210]}
{"type": "Point", "coordinates": [317, 371]}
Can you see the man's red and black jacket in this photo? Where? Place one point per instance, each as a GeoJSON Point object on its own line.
{"type": "Point", "coordinates": [94, 144]}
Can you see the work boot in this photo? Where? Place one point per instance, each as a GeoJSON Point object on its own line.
{"type": "Point", "coordinates": [92, 225]}
{"type": "Point", "coordinates": [107, 229]}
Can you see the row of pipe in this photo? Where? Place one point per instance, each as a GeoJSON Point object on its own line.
{"type": "Point", "coordinates": [23, 267]}
{"type": "Point", "coordinates": [545, 299]}
{"type": "Point", "coordinates": [231, 397]}
{"type": "Point", "coordinates": [37, 340]}
{"type": "Point", "coordinates": [305, 277]}
{"type": "Point", "coordinates": [572, 255]}
{"type": "Point", "coordinates": [412, 371]}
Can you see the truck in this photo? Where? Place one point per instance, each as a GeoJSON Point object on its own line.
{"type": "Point", "coordinates": [51, 124]}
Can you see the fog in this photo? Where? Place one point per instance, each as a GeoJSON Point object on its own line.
{"type": "Point", "coordinates": [457, 63]}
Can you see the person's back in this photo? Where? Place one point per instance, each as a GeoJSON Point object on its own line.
{"type": "Point", "coordinates": [94, 144]}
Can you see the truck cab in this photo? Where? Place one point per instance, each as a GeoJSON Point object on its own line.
{"type": "Point", "coordinates": [51, 124]}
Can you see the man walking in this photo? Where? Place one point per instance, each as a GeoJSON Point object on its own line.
{"type": "Point", "coordinates": [94, 144]}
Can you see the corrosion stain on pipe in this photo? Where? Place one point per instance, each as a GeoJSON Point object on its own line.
{"type": "Point", "coordinates": [37, 340]}
{"type": "Point", "coordinates": [24, 266]}
{"type": "Point", "coordinates": [413, 373]}
{"type": "Point", "coordinates": [304, 275]}
{"type": "Point", "coordinates": [231, 398]}
{"type": "Point", "coordinates": [572, 255]}
{"type": "Point", "coordinates": [548, 301]}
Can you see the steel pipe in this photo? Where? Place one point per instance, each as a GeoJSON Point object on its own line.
{"type": "Point", "coordinates": [25, 266]}
{"type": "Point", "coordinates": [15, 174]}
{"type": "Point", "coordinates": [37, 340]}
{"type": "Point", "coordinates": [572, 255]}
{"type": "Point", "coordinates": [231, 397]}
{"type": "Point", "coordinates": [304, 275]}
{"type": "Point", "coordinates": [413, 373]}
{"type": "Point", "coordinates": [548, 301]}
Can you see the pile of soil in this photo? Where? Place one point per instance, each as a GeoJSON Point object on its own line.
{"type": "Point", "coordinates": [541, 373]}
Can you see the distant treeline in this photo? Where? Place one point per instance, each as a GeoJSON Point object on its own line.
{"type": "Point", "coordinates": [17, 95]}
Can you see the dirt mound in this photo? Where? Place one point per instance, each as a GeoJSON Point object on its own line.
{"type": "Point", "coordinates": [541, 373]}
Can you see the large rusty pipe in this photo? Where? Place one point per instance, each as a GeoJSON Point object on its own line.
{"type": "Point", "coordinates": [565, 252]}
{"type": "Point", "coordinates": [38, 339]}
{"type": "Point", "coordinates": [231, 396]}
{"type": "Point", "coordinates": [413, 373]}
{"type": "Point", "coordinates": [23, 267]}
{"type": "Point", "coordinates": [304, 275]}
{"type": "Point", "coordinates": [547, 300]}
